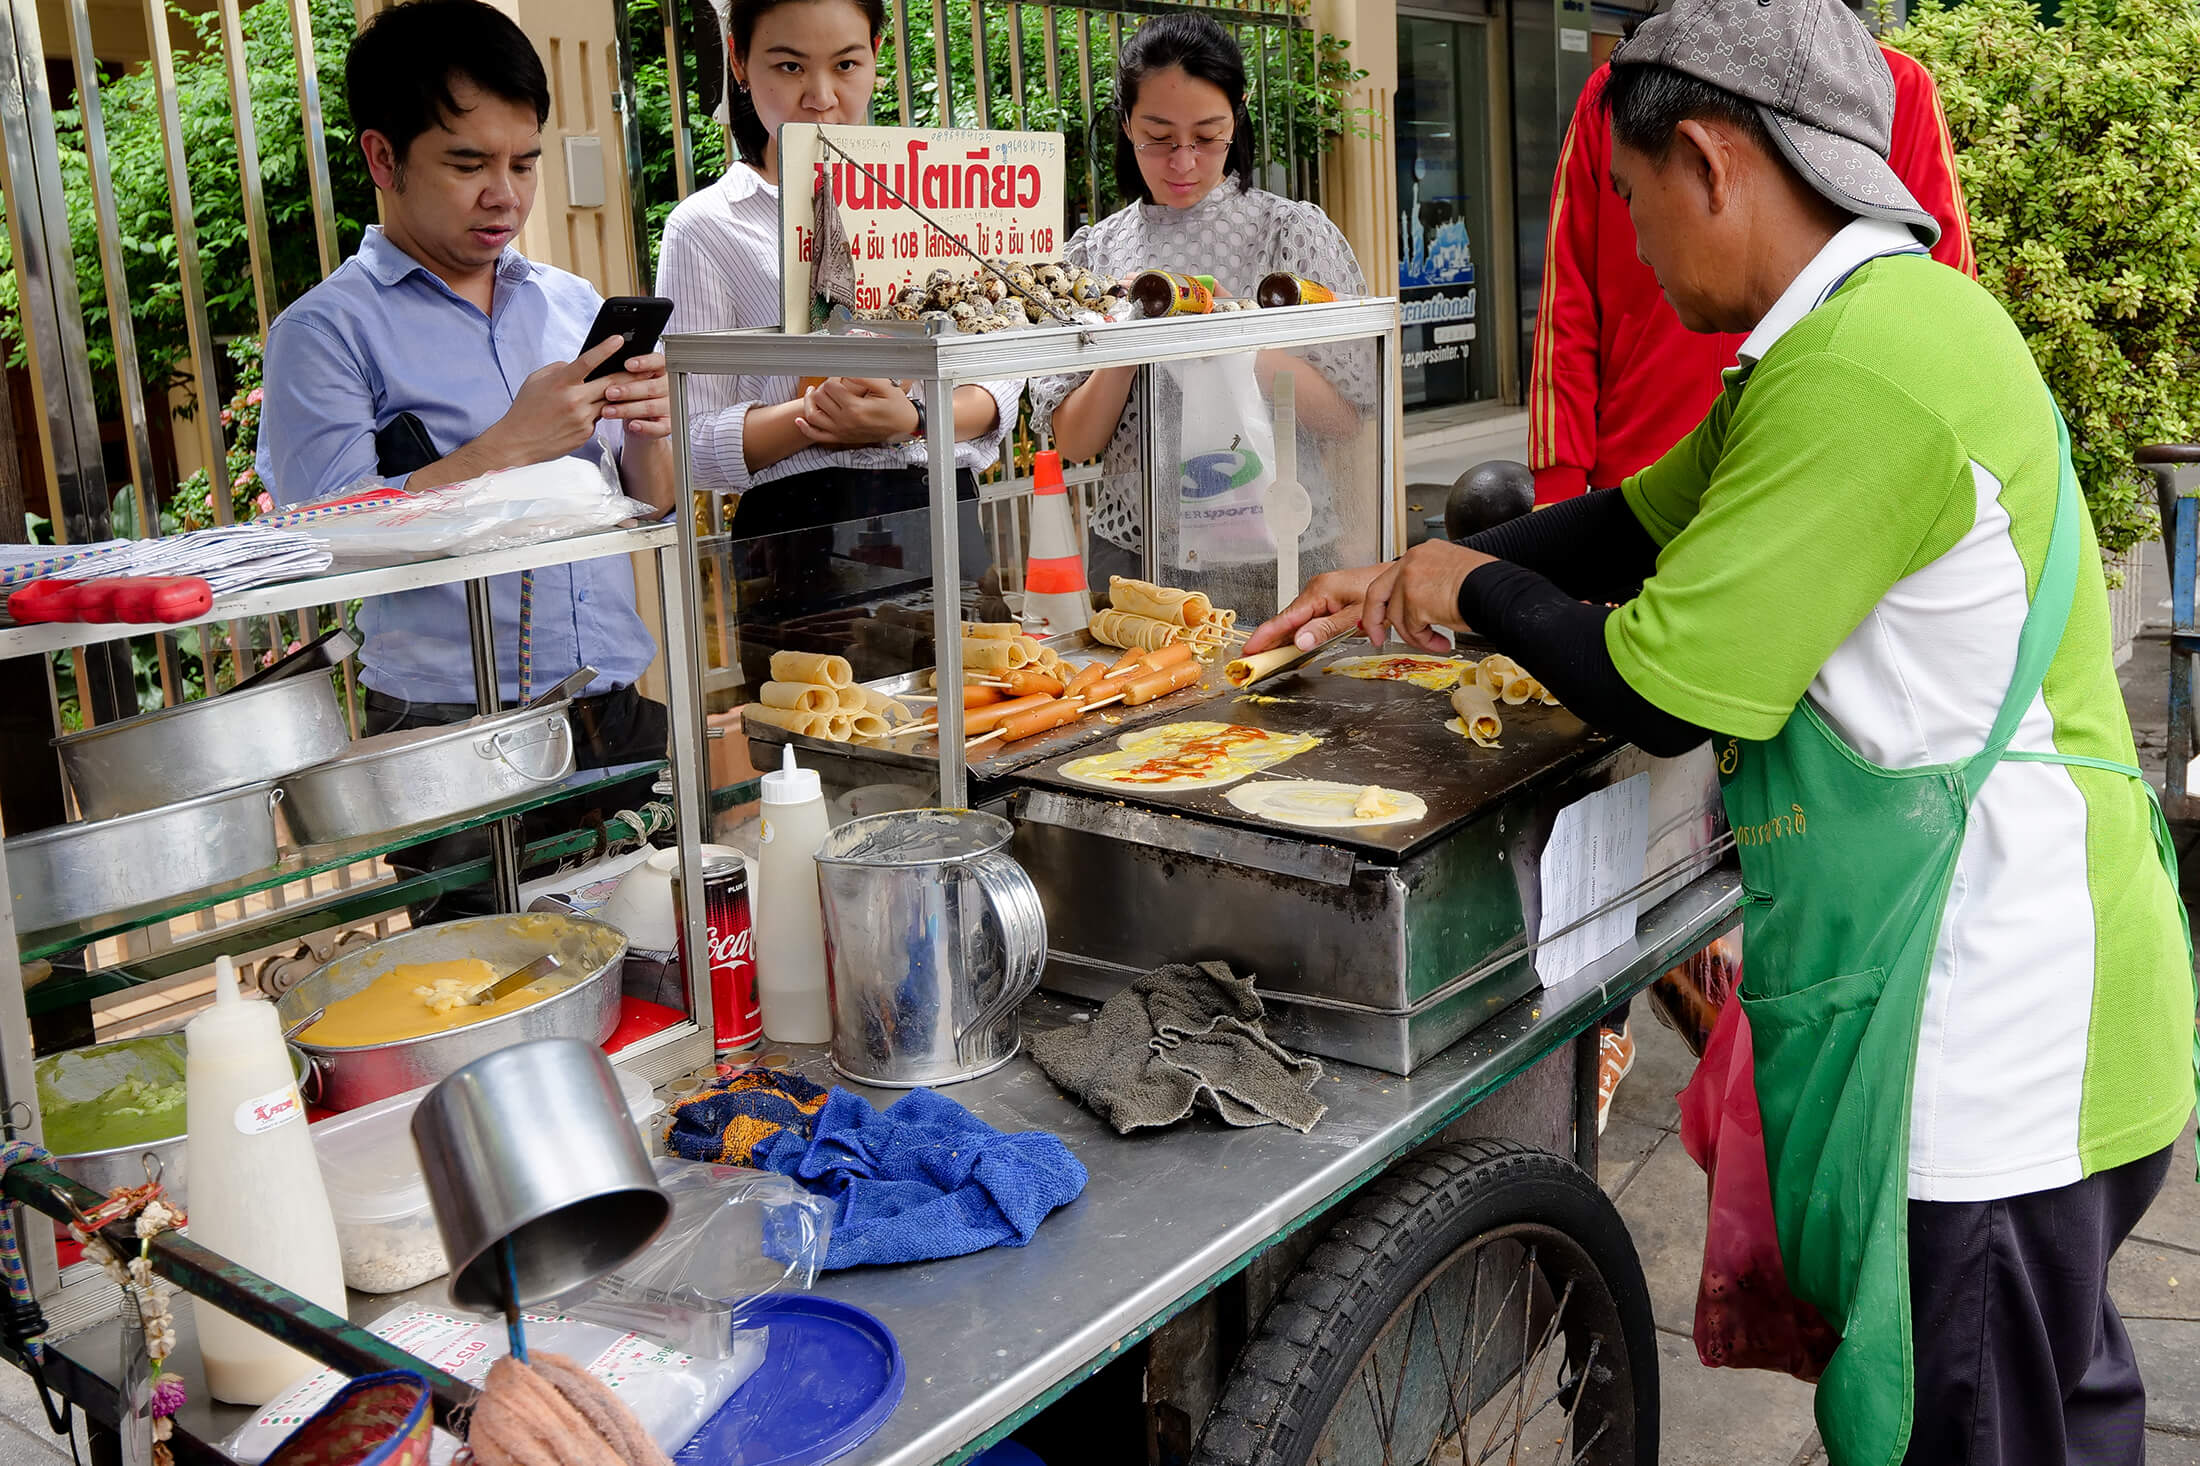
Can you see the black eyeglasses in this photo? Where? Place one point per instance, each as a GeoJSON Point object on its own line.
{"type": "Point", "coordinates": [1206, 147]}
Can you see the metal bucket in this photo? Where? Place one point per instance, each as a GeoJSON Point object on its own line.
{"type": "Point", "coordinates": [932, 939]}
{"type": "Point", "coordinates": [429, 776]}
{"type": "Point", "coordinates": [76, 872]}
{"type": "Point", "coordinates": [534, 1144]}
{"type": "Point", "coordinates": [194, 748]}
{"type": "Point", "coordinates": [587, 1008]}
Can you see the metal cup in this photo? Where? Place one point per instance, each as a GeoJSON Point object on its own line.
{"type": "Point", "coordinates": [533, 1144]}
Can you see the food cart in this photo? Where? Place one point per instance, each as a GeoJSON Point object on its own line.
{"type": "Point", "coordinates": [1431, 1272]}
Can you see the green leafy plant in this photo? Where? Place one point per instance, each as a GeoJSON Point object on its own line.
{"type": "Point", "coordinates": [2078, 146]}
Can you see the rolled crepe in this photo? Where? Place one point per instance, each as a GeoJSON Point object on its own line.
{"type": "Point", "coordinates": [994, 657]}
{"type": "Point", "coordinates": [851, 699]}
{"type": "Point", "coordinates": [1162, 602]}
{"type": "Point", "coordinates": [1246, 671]}
{"type": "Point", "coordinates": [992, 630]}
{"type": "Point", "coordinates": [1134, 632]}
{"type": "Point", "coordinates": [1477, 712]}
{"type": "Point", "coordinates": [878, 702]}
{"type": "Point", "coordinates": [1521, 689]}
{"type": "Point", "coordinates": [799, 697]}
{"type": "Point", "coordinates": [838, 726]}
{"type": "Point", "coordinates": [818, 667]}
{"type": "Point", "coordinates": [1493, 672]}
{"type": "Point", "coordinates": [870, 725]}
{"type": "Point", "coordinates": [790, 719]}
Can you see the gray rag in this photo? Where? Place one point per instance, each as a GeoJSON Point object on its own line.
{"type": "Point", "coordinates": [1179, 1036]}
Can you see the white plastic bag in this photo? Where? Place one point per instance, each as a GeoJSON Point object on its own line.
{"type": "Point", "coordinates": [1226, 447]}
{"type": "Point", "coordinates": [670, 1392]}
{"type": "Point", "coordinates": [368, 524]}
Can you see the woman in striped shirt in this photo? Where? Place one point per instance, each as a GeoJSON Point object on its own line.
{"type": "Point", "coordinates": [849, 447]}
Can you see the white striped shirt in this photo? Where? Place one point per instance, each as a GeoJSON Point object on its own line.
{"type": "Point", "coordinates": [719, 264]}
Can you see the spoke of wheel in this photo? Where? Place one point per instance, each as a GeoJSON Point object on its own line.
{"type": "Point", "coordinates": [1581, 1387]}
{"type": "Point", "coordinates": [1519, 1412]}
{"type": "Point", "coordinates": [1451, 1401]}
{"type": "Point", "coordinates": [1496, 1322]}
{"type": "Point", "coordinates": [1558, 1390]}
{"type": "Point", "coordinates": [1527, 1322]}
{"type": "Point", "coordinates": [1583, 1450]}
{"type": "Point", "coordinates": [1374, 1399]}
{"type": "Point", "coordinates": [1542, 1348]}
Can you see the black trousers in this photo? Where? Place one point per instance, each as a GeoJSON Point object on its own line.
{"type": "Point", "coordinates": [616, 727]}
{"type": "Point", "coordinates": [2022, 1358]}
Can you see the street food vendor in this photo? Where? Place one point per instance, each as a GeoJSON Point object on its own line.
{"type": "Point", "coordinates": [1184, 156]}
{"type": "Point", "coordinates": [1869, 579]}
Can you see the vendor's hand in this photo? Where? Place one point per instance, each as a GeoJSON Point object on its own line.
{"type": "Point", "coordinates": [1329, 604]}
{"type": "Point", "coordinates": [641, 397]}
{"type": "Point", "coordinates": [855, 412]}
{"type": "Point", "coordinates": [1417, 591]}
{"type": "Point", "coordinates": [554, 411]}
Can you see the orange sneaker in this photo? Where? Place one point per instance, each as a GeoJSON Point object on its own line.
{"type": "Point", "coordinates": [1615, 1057]}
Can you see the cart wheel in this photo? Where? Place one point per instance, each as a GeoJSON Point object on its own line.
{"type": "Point", "coordinates": [1480, 1303]}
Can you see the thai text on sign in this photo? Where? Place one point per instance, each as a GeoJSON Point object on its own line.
{"type": "Point", "coordinates": [999, 194]}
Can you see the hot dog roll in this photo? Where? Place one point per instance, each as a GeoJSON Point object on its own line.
{"type": "Point", "coordinates": [1040, 720]}
{"type": "Point", "coordinates": [1246, 671]}
{"type": "Point", "coordinates": [1031, 680]}
{"type": "Point", "coordinates": [1477, 712]}
{"type": "Point", "coordinates": [870, 725]}
{"type": "Point", "coordinates": [1520, 689]}
{"type": "Point", "coordinates": [992, 630]}
{"type": "Point", "coordinates": [851, 699]}
{"type": "Point", "coordinates": [1086, 676]}
{"type": "Point", "coordinates": [1161, 684]}
{"type": "Point", "coordinates": [1161, 602]}
{"type": "Point", "coordinates": [818, 667]}
{"type": "Point", "coordinates": [985, 720]}
{"type": "Point", "coordinates": [1134, 632]}
{"type": "Point", "coordinates": [799, 697]}
{"type": "Point", "coordinates": [990, 657]}
{"type": "Point", "coordinates": [793, 721]}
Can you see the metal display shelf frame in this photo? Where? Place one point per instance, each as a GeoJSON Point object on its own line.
{"type": "Point", "coordinates": [941, 363]}
{"type": "Point", "coordinates": [662, 1056]}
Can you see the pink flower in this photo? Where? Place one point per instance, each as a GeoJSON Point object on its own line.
{"type": "Point", "coordinates": [252, 398]}
{"type": "Point", "coordinates": [244, 478]}
{"type": "Point", "coordinates": [168, 1394]}
{"type": "Point", "coordinates": [264, 503]}
{"type": "Point", "coordinates": [228, 417]}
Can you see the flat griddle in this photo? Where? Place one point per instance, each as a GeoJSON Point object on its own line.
{"type": "Point", "coordinates": [1372, 732]}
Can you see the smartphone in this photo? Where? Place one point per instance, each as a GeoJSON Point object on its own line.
{"type": "Point", "coordinates": [639, 318]}
{"type": "Point", "coordinates": [402, 446]}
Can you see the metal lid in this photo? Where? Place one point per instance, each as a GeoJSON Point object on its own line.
{"type": "Point", "coordinates": [915, 837]}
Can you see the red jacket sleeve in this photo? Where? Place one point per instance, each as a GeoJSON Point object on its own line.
{"type": "Point", "coordinates": [1562, 380]}
{"type": "Point", "coordinates": [1923, 156]}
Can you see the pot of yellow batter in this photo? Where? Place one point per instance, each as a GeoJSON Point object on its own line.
{"type": "Point", "coordinates": [396, 1017]}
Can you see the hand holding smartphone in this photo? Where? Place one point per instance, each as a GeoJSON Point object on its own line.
{"type": "Point", "coordinates": [639, 318]}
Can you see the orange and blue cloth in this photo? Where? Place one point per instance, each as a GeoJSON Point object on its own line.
{"type": "Point", "coordinates": [733, 1124]}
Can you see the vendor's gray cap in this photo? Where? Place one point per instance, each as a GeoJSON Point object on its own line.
{"type": "Point", "coordinates": [1818, 81]}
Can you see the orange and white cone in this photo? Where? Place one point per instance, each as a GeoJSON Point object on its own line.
{"type": "Point", "coordinates": [1054, 577]}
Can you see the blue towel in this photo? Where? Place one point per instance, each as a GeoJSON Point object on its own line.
{"type": "Point", "coordinates": [925, 1179]}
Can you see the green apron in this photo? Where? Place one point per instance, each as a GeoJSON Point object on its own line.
{"type": "Point", "coordinates": [1846, 868]}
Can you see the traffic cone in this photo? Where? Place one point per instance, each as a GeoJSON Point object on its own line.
{"type": "Point", "coordinates": [1054, 577]}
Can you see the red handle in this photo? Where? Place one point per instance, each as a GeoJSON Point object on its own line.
{"type": "Point", "coordinates": [95, 600]}
{"type": "Point", "coordinates": [45, 600]}
{"type": "Point", "coordinates": [162, 598]}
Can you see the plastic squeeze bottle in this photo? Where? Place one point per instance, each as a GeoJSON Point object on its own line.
{"type": "Point", "coordinates": [256, 1193]}
{"type": "Point", "coordinates": [790, 924]}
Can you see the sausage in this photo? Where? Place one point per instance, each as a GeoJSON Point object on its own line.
{"type": "Point", "coordinates": [1091, 673]}
{"type": "Point", "coordinates": [986, 719]}
{"type": "Point", "coordinates": [1161, 684]}
{"type": "Point", "coordinates": [1040, 720]}
{"type": "Point", "coordinates": [1162, 658]}
{"type": "Point", "coordinates": [1124, 663]}
{"type": "Point", "coordinates": [1031, 680]}
{"type": "Point", "coordinates": [975, 696]}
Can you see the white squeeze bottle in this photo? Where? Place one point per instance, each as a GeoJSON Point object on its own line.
{"type": "Point", "coordinates": [256, 1195]}
{"type": "Point", "coordinates": [790, 926]}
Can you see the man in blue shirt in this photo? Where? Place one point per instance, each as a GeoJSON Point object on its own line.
{"type": "Point", "coordinates": [438, 353]}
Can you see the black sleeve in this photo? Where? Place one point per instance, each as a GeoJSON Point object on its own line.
{"type": "Point", "coordinates": [1560, 640]}
{"type": "Point", "coordinates": [1592, 547]}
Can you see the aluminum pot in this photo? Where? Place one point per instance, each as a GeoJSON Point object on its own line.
{"type": "Point", "coordinates": [429, 776]}
{"type": "Point", "coordinates": [94, 868]}
{"type": "Point", "coordinates": [244, 737]}
{"type": "Point", "coordinates": [533, 1147]}
{"type": "Point", "coordinates": [585, 1007]}
{"type": "Point", "coordinates": [933, 937]}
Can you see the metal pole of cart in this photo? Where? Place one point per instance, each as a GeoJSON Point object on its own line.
{"type": "Point", "coordinates": [939, 407]}
{"type": "Point", "coordinates": [504, 834]}
{"type": "Point", "coordinates": [683, 682]}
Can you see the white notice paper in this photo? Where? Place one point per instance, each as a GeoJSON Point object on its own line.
{"type": "Point", "coordinates": [1596, 852]}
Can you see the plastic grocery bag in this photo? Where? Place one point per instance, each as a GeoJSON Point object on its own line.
{"type": "Point", "coordinates": [735, 1235]}
{"type": "Point", "coordinates": [1746, 1318]}
{"type": "Point", "coordinates": [672, 1393]}
{"type": "Point", "coordinates": [1226, 451]}
{"type": "Point", "coordinates": [371, 523]}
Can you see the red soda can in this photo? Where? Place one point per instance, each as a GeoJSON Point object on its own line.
{"type": "Point", "coordinates": [736, 1015]}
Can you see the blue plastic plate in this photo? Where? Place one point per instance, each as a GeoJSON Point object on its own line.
{"type": "Point", "coordinates": [831, 1376]}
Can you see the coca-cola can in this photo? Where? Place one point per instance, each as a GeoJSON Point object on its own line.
{"type": "Point", "coordinates": [736, 1015]}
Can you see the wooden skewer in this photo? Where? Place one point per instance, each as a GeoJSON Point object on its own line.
{"type": "Point", "coordinates": [915, 697]}
{"type": "Point", "coordinates": [981, 738]}
{"type": "Point", "coordinates": [1103, 702]}
{"type": "Point", "coordinates": [916, 728]}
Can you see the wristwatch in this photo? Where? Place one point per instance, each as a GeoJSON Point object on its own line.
{"type": "Point", "coordinates": [919, 435]}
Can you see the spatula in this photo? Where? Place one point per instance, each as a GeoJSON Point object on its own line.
{"type": "Point", "coordinates": [512, 982]}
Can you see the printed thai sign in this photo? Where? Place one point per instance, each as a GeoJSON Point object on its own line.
{"type": "Point", "coordinates": [1000, 194]}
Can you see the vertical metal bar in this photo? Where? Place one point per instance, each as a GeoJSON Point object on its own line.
{"type": "Point", "coordinates": [630, 125]}
{"type": "Point", "coordinates": [1051, 50]}
{"type": "Point", "coordinates": [2184, 560]}
{"type": "Point", "coordinates": [1389, 425]}
{"type": "Point", "coordinates": [327, 245]}
{"type": "Point", "coordinates": [1093, 211]}
{"type": "Point", "coordinates": [683, 147]}
{"type": "Point", "coordinates": [489, 698]}
{"type": "Point", "coordinates": [942, 69]}
{"type": "Point", "coordinates": [1016, 66]}
{"type": "Point", "coordinates": [1291, 114]}
{"type": "Point", "coordinates": [1587, 1056]}
{"type": "Point", "coordinates": [939, 408]}
{"type": "Point", "coordinates": [981, 64]}
{"type": "Point", "coordinates": [902, 82]}
{"type": "Point", "coordinates": [257, 250]}
{"type": "Point", "coordinates": [679, 586]}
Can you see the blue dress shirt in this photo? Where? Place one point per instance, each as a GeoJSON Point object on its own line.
{"type": "Point", "coordinates": [383, 336]}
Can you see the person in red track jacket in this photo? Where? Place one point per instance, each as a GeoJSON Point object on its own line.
{"type": "Point", "coordinates": [1617, 380]}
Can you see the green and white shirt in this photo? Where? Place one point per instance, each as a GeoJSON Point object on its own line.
{"type": "Point", "coordinates": [1861, 520]}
